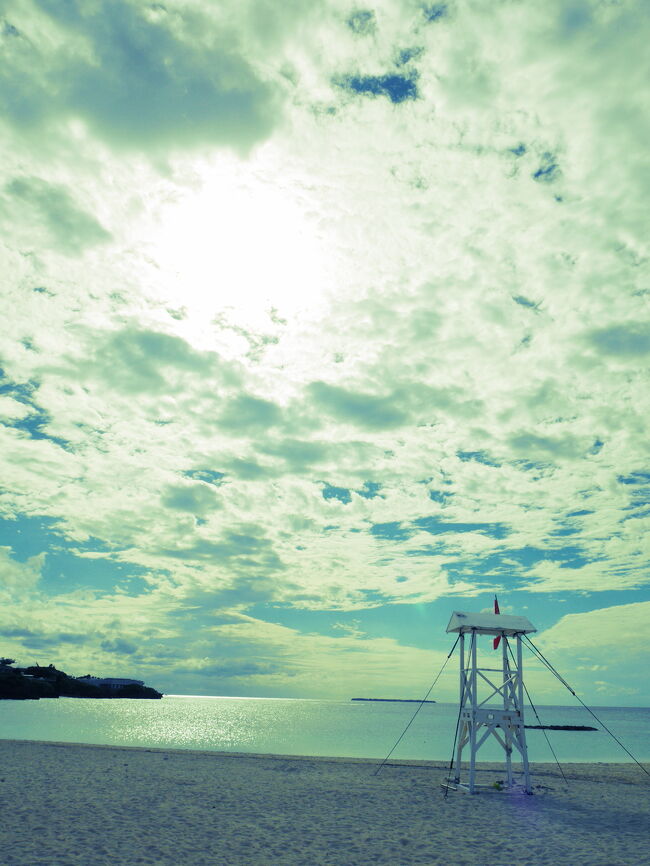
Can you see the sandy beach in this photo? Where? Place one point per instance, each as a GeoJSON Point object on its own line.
{"type": "Point", "coordinates": [78, 805]}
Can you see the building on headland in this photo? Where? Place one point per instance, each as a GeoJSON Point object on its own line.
{"type": "Point", "coordinates": [36, 681]}
{"type": "Point", "coordinates": [109, 682]}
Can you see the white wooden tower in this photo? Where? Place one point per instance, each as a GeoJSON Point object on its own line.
{"type": "Point", "coordinates": [491, 698]}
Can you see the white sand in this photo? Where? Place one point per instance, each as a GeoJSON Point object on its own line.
{"type": "Point", "coordinates": [85, 805]}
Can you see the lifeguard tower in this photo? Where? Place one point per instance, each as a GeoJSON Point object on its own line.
{"type": "Point", "coordinates": [491, 698]}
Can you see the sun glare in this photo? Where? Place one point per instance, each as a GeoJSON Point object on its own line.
{"type": "Point", "coordinates": [240, 245]}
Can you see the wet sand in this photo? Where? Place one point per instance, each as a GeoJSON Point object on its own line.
{"type": "Point", "coordinates": [78, 805]}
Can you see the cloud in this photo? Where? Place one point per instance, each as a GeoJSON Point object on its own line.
{"type": "Point", "coordinates": [623, 629]}
{"type": "Point", "coordinates": [356, 407]}
{"type": "Point", "coordinates": [362, 22]}
{"type": "Point", "coordinates": [298, 454]}
{"type": "Point", "coordinates": [246, 469]}
{"type": "Point", "coordinates": [586, 577]}
{"type": "Point", "coordinates": [136, 360]}
{"type": "Point", "coordinates": [12, 410]}
{"type": "Point", "coordinates": [558, 447]}
{"type": "Point", "coordinates": [18, 578]}
{"type": "Point", "coordinates": [198, 499]}
{"type": "Point", "coordinates": [142, 77]}
{"type": "Point", "coordinates": [246, 413]}
{"type": "Point", "coordinates": [48, 641]}
{"type": "Point", "coordinates": [231, 669]}
{"type": "Point", "coordinates": [54, 217]}
{"type": "Point", "coordinates": [344, 350]}
{"type": "Point", "coordinates": [243, 549]}
{"type": "Point", "coordinates": [628, 340]}
{"type": "Point", "coordinates": [118, 645]}
{"type": "Point", "coordinates": [282, 659]}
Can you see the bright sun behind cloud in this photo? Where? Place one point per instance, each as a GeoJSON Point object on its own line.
{"type": "Point", "coordinates": [240, 244]}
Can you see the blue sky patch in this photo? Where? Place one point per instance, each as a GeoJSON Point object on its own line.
{"type": "Point", "coordinates": [435, 526]}
{"type": "Point", "coordinates": [427, 550]}
{"type": "Point", "coordinates": [435, 11]}
{"type": "Point", "coordinates": [369, 490]}
{"type": "Point", "coordinates": [635, 478]}
{"type": "Point", "coordinates": [548, 171]}
{"type": "Point", "coordinates": [64, 572]}
{"type": "Point", "coordinates": [63, 569]}
{"type": "Point", "coordinates": [407, 54]}
{"type": "Point", "coordinates": [23, 392]}
{"type": "Point", "coordinates": [393, 531]}
{"type": "Point", "coordinates": [340, 493]}
{"type": "Point", "coordinates": [439, 496]}
{"type": "Point", "coordinates": [36, 425]}
{"type": "Point", "coordinates": [525, 302]}
{"type": "Point", "coordinates": [207, 475]}
{"type": "Point", "coordinates": [639, 489]}
{"type": "Point", "coordinates": [362, 22]}
{"type": "Point", "coordinates": [398, 88]}
{"type": "Point", "coordinates": [29, 536]}
{"type": "Point", "coordinates": [477, 457]}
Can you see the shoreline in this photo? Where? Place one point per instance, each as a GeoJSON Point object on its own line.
{"type": "Point", "coordinates": [97, 805]}
{"type": "Point", "coordinates": [414, 762]}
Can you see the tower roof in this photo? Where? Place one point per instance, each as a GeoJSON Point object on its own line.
{"type": "Point", "coordinates": [489, 623]}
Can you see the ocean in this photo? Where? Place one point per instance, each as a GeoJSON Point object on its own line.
{"type": "Point", "coordinates": [311, 727]}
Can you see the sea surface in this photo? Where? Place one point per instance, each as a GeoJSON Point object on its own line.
{"type": "Point", "coordinates": [356, 729]}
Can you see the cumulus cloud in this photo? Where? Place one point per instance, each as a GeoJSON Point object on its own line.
{"type": "Point", "coordinates": [135, 360]}
{"type": "Point", "coordinates": [141, 77]}
{"type": "Point", "coordinates": [357, 407]}
{"type": "Point", "coordinates": [16, 577]}
{"type": "Point", "coordinates": [625, 627]}
{"type": "Point", "coordinates": [627, 340]}
{"type": "Point", "coordinates": [53, 216]}
{"type": "Point", "coordinates": [197, 499]}
{"type": "Point", "coordinates": [339, 309]}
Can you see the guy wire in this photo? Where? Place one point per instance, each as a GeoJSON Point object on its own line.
{"type": "Point", "coordinates": [541, 657]}
{"type": "Point", "coordinates": [534, 709]}
{"type": "Point", "coordinates": [460, 710]}
{"type": "Point", "coordinates": [421, 704]}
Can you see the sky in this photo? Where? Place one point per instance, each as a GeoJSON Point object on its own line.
{"type": "Point", "coordinates": [321, 321]}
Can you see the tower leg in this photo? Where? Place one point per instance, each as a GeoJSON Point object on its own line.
{"type": "Point", "coordinates": [462, 727]}
{"type": "Point", "coordinates": [528, 786]}
{"type": "Point", "coordinates": [473, 725]}
{"type": "Point", "coordinates": [520, 694]}
{"type": "Point", "coordinates": [472, 758]}
{"type": "Point", "coordinates": [507, 705]}
{"type": "Point", "coordinates": [462, 733]}
{"type": "Point", "coordinates": [508, 739]}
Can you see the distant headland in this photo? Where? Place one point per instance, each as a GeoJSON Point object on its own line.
{"type": "Point", "coordinates": [35, 682]}
{"type": "Point", "coordinates": [395, 700]}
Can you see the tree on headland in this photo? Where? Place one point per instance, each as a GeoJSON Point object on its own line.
{"type": "Point", "coordinates": [37, 681]}
{"type": "Point", "coordinates": [15, 686]}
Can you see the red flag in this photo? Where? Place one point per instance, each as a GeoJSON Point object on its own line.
{"type": "Point", "coordinates": [497, 639]}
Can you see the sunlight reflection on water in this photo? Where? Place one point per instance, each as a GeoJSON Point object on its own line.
{"type": "Point", "coordinates": [304, 727]}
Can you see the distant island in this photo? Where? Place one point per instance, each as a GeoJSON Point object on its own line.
{"type": "Point", "coordinates": [35, 682]}
{"type": "Point", "coordinates": [395, 700]}
{"type": "Point", "coordinates": [560, 728]}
